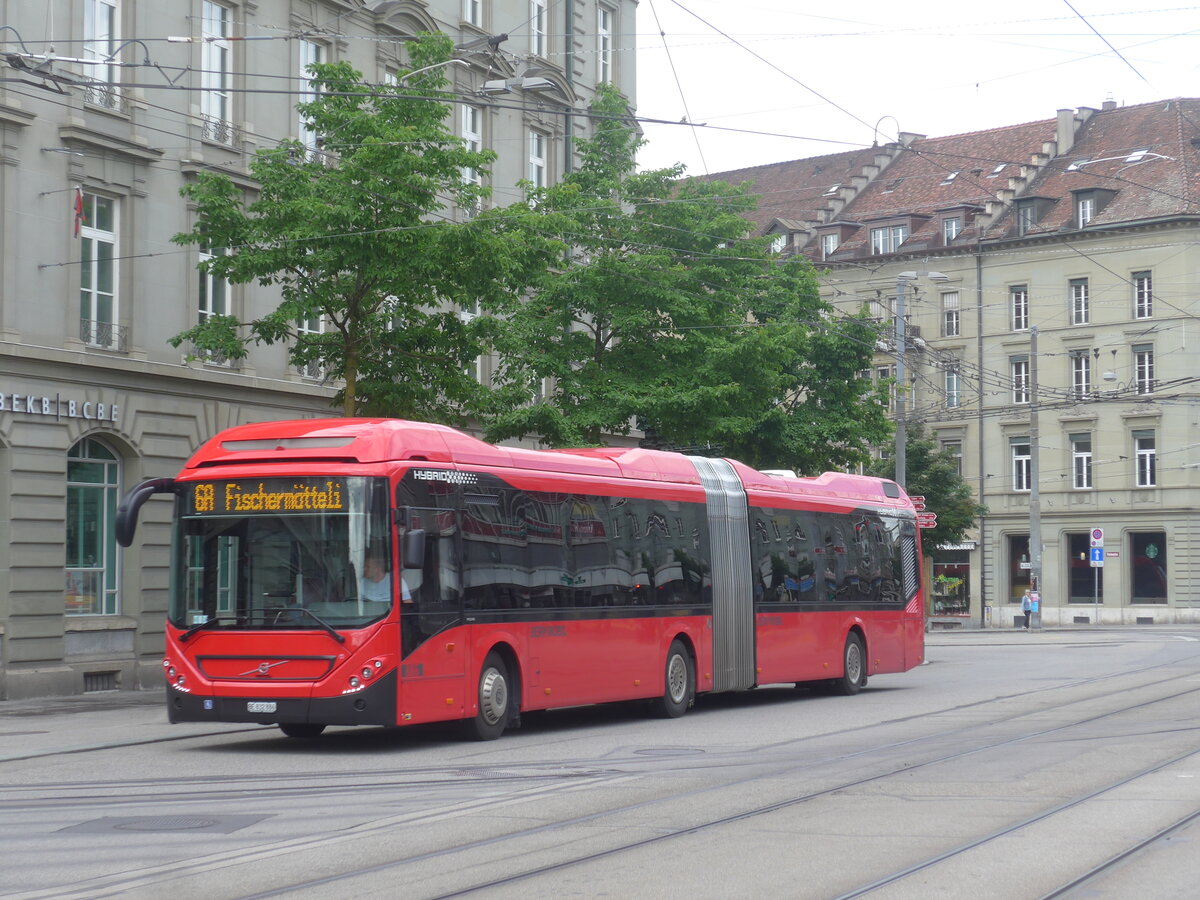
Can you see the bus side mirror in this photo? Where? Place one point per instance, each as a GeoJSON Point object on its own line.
{"type": "Point", "coordinates": [131, 503]}
{"type": "Point", "coordinates": [412, 548]}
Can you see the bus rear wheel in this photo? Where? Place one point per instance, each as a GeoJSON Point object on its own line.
{"type": "Point", "coordinates": [494, 699]}
{"type": "Point", "coordinates": [680, 687]}
{"type": "Point", "coordinates": [301, 729]}
{"type": "Point", "coordinates": [854, 670]}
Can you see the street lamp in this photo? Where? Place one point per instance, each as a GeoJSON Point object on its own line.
{"type": "Point", "coordinates": [901, 326]}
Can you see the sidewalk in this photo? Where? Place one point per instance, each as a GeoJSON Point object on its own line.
{"type": "Point", "coordinates": [85, 722]}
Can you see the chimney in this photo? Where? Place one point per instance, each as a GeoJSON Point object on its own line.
{"type": "Point", "coordinates": [1109, 104]}
{"type": "Point", "coordinates": [1065, 132]}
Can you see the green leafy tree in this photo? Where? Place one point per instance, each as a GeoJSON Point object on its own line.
{"type": "Point", "coordinates": [933, 474]}
{"type": "Point", "coordinates": [663, 313]}
{"type": "Point", "coordinates": [351, 233]}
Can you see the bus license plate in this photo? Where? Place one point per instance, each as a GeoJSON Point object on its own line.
{"type": "Point", "coordinates": [260, 706]}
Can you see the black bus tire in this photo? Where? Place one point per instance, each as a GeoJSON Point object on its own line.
{"type": "Point", "coordinates": [854, 668]}
{"type": "Point", "coordinates": [301, 729]}
{"type": "Point", "coordinates": [680, 683]}
{"type": "Point", "coordinates": [493, 698]}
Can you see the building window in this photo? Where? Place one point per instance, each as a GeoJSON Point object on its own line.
{"type": "Point", "coordinates": [537, 27]}
{"type": "Point", "coordinates": [1019, 566]}
{"type": "Point", "coordinates": [953, 449]}
{"type": "Point", "coordinates": [951, 314]}
{"type": "Point", "coordinates": [1085, 209]}
{"type": "Point", "coordinates": [1143, 295]}
{"type": "Point", "coordinates": [829, 244]}
{"type": "Point", "coordinates": [604, 33]}
{"type": "Point", "coordinates": [472, 12]}
{"type": "Point", "coordinates": [1081, 461]}
{"type": "Point", "coordinates": [953, 386]}
{"type": "Point", "coordinates": [1026, 217]}
{"type": "Point", "coordinates": [308, 334]}
{"type": "Point", "coordinates": [1149, 552]}
{"type": "Point", "coordinates": [214, 301]}
{"type": "Point", "coordinates": [98, 257]}
{"type": "Point", "coordinates": [1144, 458]}
{"type": "Point", "coordinates": [472, 137]}
{"type": "Point", "coordinates": [310, 54]}
{"type": "Point", "coordinates": [100, 18]}
{"type": "Point", "coordinates": [1018, 307]}
{"type": "Point", "coordinates": [93, 489]}
{"type": "Point", "coordinates": [537, 159]}
{"type": "Point", "coordinates": [1019, 367]}
{"type": "Point", "coordinates": [215, 55]}
{"type": "Point", "coordinates": [1081, 374]}
{"type": "Point", "coordinates": [888, 374]}
{"type": "Point", "coordinates": [951, 228]}
{"type": "Point", "coordinates": [1080, 304]}
{"type": "Point", "coordinates": [779, 243]}
{"type": "Point", "coordinates": [1143, 368]}
{"type": "Point", "coordinates": [888, 238]}
{"type": "Point", "coordinates": [1086, 585]}
{"type": "Point", "coordinates": [1022, 464]}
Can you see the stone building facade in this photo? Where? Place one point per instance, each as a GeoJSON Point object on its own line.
{"type": "Point", "coordinates": [1044, 278]}
{"type": "Point", "coordinates": [107, 108]}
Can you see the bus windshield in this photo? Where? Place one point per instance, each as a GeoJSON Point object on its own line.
{"type": "Point", "coordinates": [301, 552]}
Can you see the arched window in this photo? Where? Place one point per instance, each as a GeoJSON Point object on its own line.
{"type": "Point", "coordinates": [93, 487]}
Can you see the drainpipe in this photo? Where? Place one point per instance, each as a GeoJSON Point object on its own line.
{"type": "Point", "coordinates": [568, 130]}
{"type": "Point", "coordinates": [983, 593]}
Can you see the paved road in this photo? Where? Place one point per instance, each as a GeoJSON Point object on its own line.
{"type": "Point", "coordinates": [1012, 765]}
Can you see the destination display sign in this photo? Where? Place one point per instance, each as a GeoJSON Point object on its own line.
{"type": "Point", "coordinates": [266, 495]}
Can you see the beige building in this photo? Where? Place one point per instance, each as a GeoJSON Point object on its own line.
{"type": "Point", "coordinates": [1045, 273]}
{"type": "Point", "coordinates": [108, 107]}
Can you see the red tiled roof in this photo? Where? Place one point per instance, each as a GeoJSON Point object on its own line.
{"type": "Point", "coordinates": [1162, 183]}
{"type": "Point", "coordinates": [796, 190]}
{"type": "Point", "coordinates": [995, 167]}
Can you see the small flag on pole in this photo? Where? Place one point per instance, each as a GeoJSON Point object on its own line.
{"type": "Point", "coordinates": [78, 209]}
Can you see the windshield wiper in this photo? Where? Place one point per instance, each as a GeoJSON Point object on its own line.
{"type": "Point", "coordinates": [333, 631]}
{"type": "Point", "coordinates": [200, 626]}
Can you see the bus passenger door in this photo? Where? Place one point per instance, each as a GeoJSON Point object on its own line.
{"type": "Point", "coordinates": [434, 648]}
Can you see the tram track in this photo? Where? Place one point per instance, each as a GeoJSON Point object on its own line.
{"type": "Point", "coordinates": [614, 772]}
{"type": "Point", "coordinates": [272, 786]}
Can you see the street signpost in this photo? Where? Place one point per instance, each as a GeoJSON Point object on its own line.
{"type": "Point", "coordinates": [926, 520]}
{"type": "Point", "coordinates": [1097, 563]}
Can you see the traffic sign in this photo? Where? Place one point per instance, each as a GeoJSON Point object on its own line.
{"type": "Point", "coordinates": [918, 502]}
{"type": "Point", "coordinates": [1097, 558]}
{"type": "Point", "coordinates": [1097, 537]}
{"type": "Point", "coordinates": [926, 520]}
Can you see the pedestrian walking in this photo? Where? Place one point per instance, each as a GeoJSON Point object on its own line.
{"type": "Point", "coordinates": [1026, 606]}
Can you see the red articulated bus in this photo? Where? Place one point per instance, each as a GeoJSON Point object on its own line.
{"type": "Point", "coordinates": [384, 572]}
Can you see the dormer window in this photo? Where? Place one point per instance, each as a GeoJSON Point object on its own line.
{"type": "Point", "coordinates": [778, 243]}
{"type": "Point", "coordinates": [1030, 211]}
{"type": "Point", "coordinates": [1026, 216]}
{"type": "Point", "coordinates": [888, 238]}
{"type": "Point", "coordinates": [951, 228]}
{"type": "Point", "coordinates": [1085, 209]}
{"type": "Point", "coordinates": [1088, 203]}
{"type": "Point", "coordinates": [829, 244]}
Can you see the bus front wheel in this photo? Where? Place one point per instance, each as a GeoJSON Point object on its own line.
{"type": "Point", "coordinates": [301, 729]}
{"type": "Point", "coordinates": [494, 700]}
{"type": "Point", "coordinates": [854, 670]}
{"type": "Point", "coordinates": [680, 688]}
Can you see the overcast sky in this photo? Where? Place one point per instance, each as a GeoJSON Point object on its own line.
{"type": "Point", "coordinates": [749, 69]}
